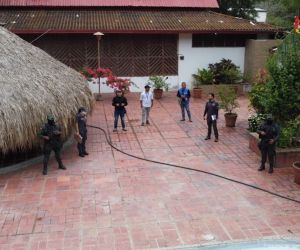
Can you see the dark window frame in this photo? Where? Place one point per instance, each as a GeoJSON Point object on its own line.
{"type": "Point", "coordinates": [220, 40]}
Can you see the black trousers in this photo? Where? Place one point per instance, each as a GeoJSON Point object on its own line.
{"type": "Point", "coordinates": [267, 151]}
{"type": "Point", "coordinates": [81, 146]}
{"type": "Point", "coordinates": [47, 151]}
{"type": "Point", "coordinates": [211, 123]}
{"type": "Point", "coordinates": [120, 113]}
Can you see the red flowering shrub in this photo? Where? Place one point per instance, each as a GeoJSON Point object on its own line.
{"type": "Point", "coordinates": [112, 81]}
{"type": "Point", "coordinates": [89, 73]}
{"type": "Point", "coordinates": [118, 83]}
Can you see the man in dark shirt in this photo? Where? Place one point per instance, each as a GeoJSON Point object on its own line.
{"type": "Point", "coordinates": [81, 119]}
{"type": "Point", "coordinates": [211, 115]}
{"type": "Point", "coordinates": [269, 134]}
{"type": "Point", "coordinates": [51, 134]}
{"type": "Point", "coordinates": [184, 95]}
{"type": "Point", "coordinates": [119, 102]}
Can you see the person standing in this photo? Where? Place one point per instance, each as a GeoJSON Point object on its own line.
{"type": "Point", "coordinates": [211, 112]}
{"type": "Point", "coordinates": [119, 102]}
{"type": "Point", "coordinates": [81, 119]}
{"type": "Point", "coordinates": [146, 101]}
{"type": "Point", "coordinates": [51, 133]}
{"type": "Point", "coordinates": [184, 96]}
{"type": "Point", "coordinates": [269, 134]}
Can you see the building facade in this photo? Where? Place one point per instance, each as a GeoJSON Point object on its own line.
{"type": "Point", "coordinates": [141, 38]}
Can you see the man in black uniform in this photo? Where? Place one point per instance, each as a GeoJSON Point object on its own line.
{"type": "Point", "coordinates": [211, 112]}
{"type": "Point", "coordinates": [119, 102]}
{"type": "Point", "coordinates": [51, 135]}
{"type": "Point", "coordinates": [81, 119]}
{"type": "Point", "coordinates": [269, 134]}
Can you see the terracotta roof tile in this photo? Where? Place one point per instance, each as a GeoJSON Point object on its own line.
{"type": "Point", "coordinates": [112, 3]}
{"type": "Point", "coordinates": [126, 21]}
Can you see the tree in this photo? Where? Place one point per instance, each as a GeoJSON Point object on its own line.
{"type": "Point", "coordinates": [281, 12]}
{"type": "Point", "coordinates": [239, 8]}
{"type": "Point", "coordinates": [280, 96]}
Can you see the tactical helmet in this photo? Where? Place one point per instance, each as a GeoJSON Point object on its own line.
{"type": "Point", "coordinates": [50, 117]}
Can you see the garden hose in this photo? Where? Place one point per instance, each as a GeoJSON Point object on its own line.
{"type": "Point", "coordinates": [192, 169]}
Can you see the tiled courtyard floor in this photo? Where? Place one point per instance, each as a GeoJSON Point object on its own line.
{"type": "Point", "coordinates": [110, 201]}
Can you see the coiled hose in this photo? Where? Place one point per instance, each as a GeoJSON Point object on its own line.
{"type": "Point", "coordinates": [192, 169]}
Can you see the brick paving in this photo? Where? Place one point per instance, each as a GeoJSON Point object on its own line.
{"type": "Point", "coordinates": [110, 201]}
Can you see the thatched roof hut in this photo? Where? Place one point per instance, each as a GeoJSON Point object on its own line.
{"type": "Point", "coordinates": [32, 85]}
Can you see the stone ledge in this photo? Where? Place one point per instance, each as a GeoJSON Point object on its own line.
{"type": "Point", "coordinates": [206, 89]}
{"type": "Point", "coordinates": [285, 157]}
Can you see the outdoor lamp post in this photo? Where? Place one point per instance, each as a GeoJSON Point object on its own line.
{"type": "Point", "coordinates": [99, 36]}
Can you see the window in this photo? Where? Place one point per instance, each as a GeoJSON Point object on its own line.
{"type": "Point", "coordinates": [220, 40]}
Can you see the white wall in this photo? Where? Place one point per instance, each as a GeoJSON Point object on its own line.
{"type": "Point", "coordinates": [139, 81]}
{"type": "Point", "coordinates": [195, 58]}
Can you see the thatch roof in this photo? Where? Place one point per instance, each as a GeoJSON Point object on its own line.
{"type": "Point", "coordinates": [33, 84]}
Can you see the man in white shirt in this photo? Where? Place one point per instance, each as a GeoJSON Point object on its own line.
{"type": "Point", "coordinates": [146, 100]}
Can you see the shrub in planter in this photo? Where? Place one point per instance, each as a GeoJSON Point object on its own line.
{"type": "Point", "coordinates": [280, 95]}
{"type": "Point", "coordinates": [225, 72]}
{"type": "Point", "coordinates": [257, 97]}
{"type": "Point", "coordinates": [296, 166]}
{"type": "Point", "coordinates": [159, 84]}
{"type": "Point", "coordinates": [255, 121]}
{"type": "Point", "coordinates": [203, 76]}
{"type": "Point", "coordinates": [290, 134]}
{"type": "Point", "coordinates": [228, 102]}
{"type": "Point", "coordinates": [278, 92]}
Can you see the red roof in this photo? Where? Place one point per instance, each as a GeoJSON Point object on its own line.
{"type": "Point", "coordinates": [126, 21]}
{"type": "Point", "coordinates": [112, 3]}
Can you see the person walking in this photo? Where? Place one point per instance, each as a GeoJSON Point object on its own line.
{"type": "Point", "coordinates": [269, 134]}
{"type": "Point", "coordinates": [81, 119]}
{"type": "Point", "coordinates": [211, 112]}
{"type": "Point", "coordinates": [184, 96]}
{"type": "Point", "coordinates": [51, 133]}
{"type": "Point", "coordinates": [146, 101]}
{"type": "Point", "coordinates": [119, 102]}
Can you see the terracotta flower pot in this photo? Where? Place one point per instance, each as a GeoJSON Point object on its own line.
{"type": "Point", "coordinates": [296, 166]}
{"type": "Point", "coordinates": [230, 119]}
{"type": "Point", "coordinates": [197, 92]}
{"type": "Point", "coordinates": [158, 93]}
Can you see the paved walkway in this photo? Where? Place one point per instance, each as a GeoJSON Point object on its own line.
{"type": "Point", "coordinates": [110, 201]}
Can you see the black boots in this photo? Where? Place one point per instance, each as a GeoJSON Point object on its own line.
{"type": "Point", "coordinates": [262, 167]}
{"type": "Point", "coordinates": [62, 167]}
{"type": "Point", "coordinates": [271, 170]}
{"type": "Point", "coordinates": [45, 170]}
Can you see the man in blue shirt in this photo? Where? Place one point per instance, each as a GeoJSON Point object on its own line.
{"type": "Point", "coordinates": [184, 95]}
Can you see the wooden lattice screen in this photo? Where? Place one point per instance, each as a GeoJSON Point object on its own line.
{"type": "Point", "coordinates": [126, 55]}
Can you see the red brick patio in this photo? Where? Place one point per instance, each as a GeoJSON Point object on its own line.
{"type": "Point", "coordinates": [110, 201]}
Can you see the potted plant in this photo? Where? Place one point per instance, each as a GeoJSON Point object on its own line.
{"type": "Point", "coordinates": [159, 84]}
{"type": "Point", "coordinates": [296, 166]}
{"type": "Point", "coordinates": [228, 102]}
{"type": "Point", "coordinates": [203, 76]}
